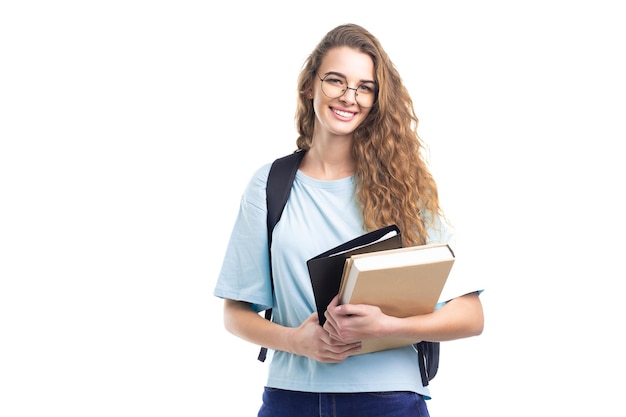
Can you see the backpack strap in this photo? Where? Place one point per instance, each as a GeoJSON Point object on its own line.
{"type": "Point", "coordinates": [279, 180]}
{"type": "Point", "coordinates": [428, 357]}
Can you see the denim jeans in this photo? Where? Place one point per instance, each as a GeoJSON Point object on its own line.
{"type": "Point", "coordinates": [282, 403]}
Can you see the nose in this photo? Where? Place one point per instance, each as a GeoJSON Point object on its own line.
{"type": "Point", "coordinates": [349, 96]}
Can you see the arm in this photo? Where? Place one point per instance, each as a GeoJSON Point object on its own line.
{"type": "Point", "coordinates": [459, 318]}
{"type": "Point", "coordinates": [309, 339]}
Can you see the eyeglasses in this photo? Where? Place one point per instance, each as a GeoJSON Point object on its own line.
{"type": "Point", "coordinates": [335, 86]}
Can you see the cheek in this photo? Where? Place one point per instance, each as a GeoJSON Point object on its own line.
{"type": "Point", "coordinates": [318, 103]}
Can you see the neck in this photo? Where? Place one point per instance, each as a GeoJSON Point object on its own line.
{"type": "Point", "coordinates": [329, 161]}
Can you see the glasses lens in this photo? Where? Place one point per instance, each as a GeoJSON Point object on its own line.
{"type": "Point", "coordinates": [366, 94]}
{"type": "Point", "coordinates": [334, 86]}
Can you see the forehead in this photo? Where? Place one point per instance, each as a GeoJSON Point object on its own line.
{"type": "Point", "coordinates": [350, 62]}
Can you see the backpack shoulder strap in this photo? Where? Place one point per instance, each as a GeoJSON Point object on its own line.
{"type": "Point", "coordinates": [279, 180]}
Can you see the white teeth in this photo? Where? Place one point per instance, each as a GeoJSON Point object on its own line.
{"type": "Point", "coordinates": [343, 113]}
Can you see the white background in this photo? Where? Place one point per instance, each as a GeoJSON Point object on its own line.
{"type": "Point", "coordinates": [129, 129]}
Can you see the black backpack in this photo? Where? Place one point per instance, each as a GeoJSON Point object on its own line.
{"type": "Point", "coordinates": [281, 176]}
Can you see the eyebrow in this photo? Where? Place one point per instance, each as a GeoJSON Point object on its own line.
{"type": "Point", "coordinates": [344, 76]}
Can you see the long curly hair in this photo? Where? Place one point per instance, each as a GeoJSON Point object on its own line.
{"type": "Point", "coordinates": [394, 184]}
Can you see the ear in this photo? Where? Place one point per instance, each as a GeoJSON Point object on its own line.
{"type": "Point", "coordinates": [307, 93]}
{"type": "Point", "coordinates": [307, 90]}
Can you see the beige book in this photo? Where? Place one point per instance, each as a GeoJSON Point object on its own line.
{"type": "Point", "coordinates": [402, 282]}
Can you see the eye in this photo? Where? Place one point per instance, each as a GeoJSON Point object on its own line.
{"type": "Point", "coordinates": [367, 88]}
{"type": "Point", "coordinates": [331, 79]}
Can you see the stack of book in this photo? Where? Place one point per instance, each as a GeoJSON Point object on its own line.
{"type": "Point", "coordinates": [375, 269]}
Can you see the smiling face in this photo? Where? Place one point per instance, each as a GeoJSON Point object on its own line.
{"type": "Point", "coordinates": [340, 116]}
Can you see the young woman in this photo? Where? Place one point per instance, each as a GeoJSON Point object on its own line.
{"type": "Point", "coordinates": [363, 169]}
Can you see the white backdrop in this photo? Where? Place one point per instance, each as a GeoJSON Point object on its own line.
{"type": "Point", "coordinates": [129, 128]}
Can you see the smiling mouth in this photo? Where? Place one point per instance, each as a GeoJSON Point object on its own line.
{"type": "Point", "coordinates": [343, 113]}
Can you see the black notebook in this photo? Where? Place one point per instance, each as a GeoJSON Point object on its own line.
{"type": "Point", "coordinates": [326, 269]}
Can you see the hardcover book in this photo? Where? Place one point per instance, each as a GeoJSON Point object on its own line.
{"type": "Point", "coordinates": [402, 282]}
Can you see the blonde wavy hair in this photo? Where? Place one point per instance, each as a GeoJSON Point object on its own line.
{"type": "Point", "coordinates": [394, 184]}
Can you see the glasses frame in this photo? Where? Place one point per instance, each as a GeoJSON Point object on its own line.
{"type": "Point", "coordinates": [356, 90]}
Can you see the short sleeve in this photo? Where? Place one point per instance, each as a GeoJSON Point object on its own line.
{"type": "Point", "coordinates": [461, 280]}
{"type": "Point", "coordinates": [244, 275]}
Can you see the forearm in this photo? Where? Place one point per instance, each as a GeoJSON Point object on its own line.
{"type": "Point", "coordinates": [459, 318]}
{"type": "Point", "coordinates": [242, 321]}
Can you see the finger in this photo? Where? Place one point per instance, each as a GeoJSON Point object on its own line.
{"type": "Point", "coordinates": [331, 322]}
{"type": "Point", "coordinates": [338, 346]}
{"type": "Point", "coordinates": [351, 310]}
{"type": "Point", "coordinates": [345, 348]}
{"type": "Point", "coordinates": [335, 308]}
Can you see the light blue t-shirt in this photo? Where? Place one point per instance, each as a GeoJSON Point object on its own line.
{"type": "Point", "coordinates": [319, 215]}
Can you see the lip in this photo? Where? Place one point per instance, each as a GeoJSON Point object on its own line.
{"type": "Point", "coordinates": [344, 113]}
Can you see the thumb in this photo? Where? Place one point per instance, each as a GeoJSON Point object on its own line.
{"type": "Point", "coordinates": [313, 317]}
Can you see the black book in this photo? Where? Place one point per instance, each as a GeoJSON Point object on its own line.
{"type": "Point", "coordinates": [326, 269]}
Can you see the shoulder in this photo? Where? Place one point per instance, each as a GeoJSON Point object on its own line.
{"type": "Point", "coordinates": [259, 176]}
{"type": "Point", "coordinates": [254, 192]}
{"type": "Point", "coordinates": [257, 185]}
{"type": "Point", "coordinates": [283, 163]}
{"type": "Point", "coordinates": [281, 166]}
